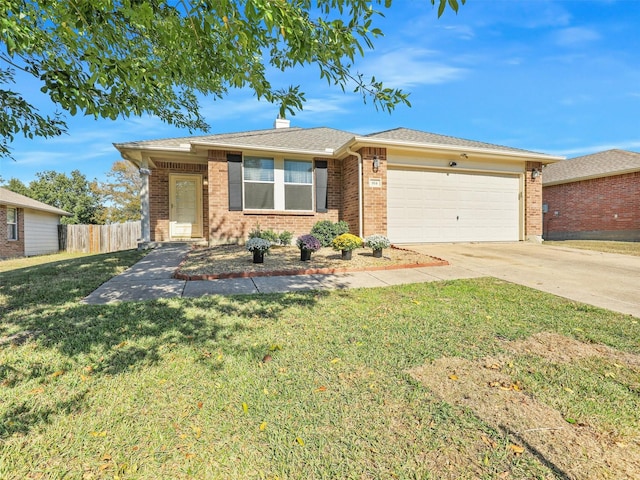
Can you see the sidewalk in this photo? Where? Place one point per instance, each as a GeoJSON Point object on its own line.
{"type": "Point", "coordinates": [151, 279]}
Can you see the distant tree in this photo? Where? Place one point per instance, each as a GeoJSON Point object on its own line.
{"type": "Point", "coordinates": [133, 57]}
{"type": "Point", "coordinates": [121, 193]}
{"type": "Point", "coordinates": [74, 194]}
{"type": "Point", "coordinates": [17, 186]}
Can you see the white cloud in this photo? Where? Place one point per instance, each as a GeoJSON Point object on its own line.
{"type": "Point", "coordinates": [408, 67]}
{"type": "Point", "coordinates": [633, 145]}
{"type": "Point", "coordinates": [576, 100]}
{"type": "Point", "coordinates": [576, 36]}
{"type": "Point", "coordinates": [463, 32]}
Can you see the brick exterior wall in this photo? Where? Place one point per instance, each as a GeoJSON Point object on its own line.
{"type": "Point", "coordinates": [350, 203]}
{"type": "Point", "coordinates": [223, 226]}
{"type": "Point", "coordinates": [533, 203]}
{"type": "Point", "coordinates": [234, 226]}
{"type": "Point", "coordinates": [11, 248]}
{"type": "Point", "coordinates": [159, 196]}
{"type": "Point", "coordinates": [605, 208]}
{"type": "Point", "coordinates": [374, 217]}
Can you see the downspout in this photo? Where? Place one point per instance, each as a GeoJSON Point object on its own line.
{"type": "Point", "coordinates": [360, 201]}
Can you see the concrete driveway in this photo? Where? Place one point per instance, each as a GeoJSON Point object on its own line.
{"type": "Point", "coordinates": [605, 280]}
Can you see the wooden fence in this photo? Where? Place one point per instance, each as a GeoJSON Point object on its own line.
{"type": "Point", "coordinates": [99, 238]}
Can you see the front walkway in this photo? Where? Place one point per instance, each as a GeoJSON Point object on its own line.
{"type": "Point", "coordinates": [152, 278]}
{"type": "Point", "coordinates": [605, 280]}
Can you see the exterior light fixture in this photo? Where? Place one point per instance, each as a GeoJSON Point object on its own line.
{"type": "Point", "coordinates": [535, 173]}
{"type": "Point", "coordinates": [376, 163]}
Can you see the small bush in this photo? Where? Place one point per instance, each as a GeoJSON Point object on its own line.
{"type": "Point", "coordinates": [326, 231]}
{"type": "Point", "coordinates": [285, 238]}
{"type": "Point", "coordinates": [270, 235]}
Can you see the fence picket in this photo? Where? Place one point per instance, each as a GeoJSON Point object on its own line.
{"type": "Point", "coordinates": [99, 238]}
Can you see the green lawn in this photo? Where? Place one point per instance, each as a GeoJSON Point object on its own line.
{"type": "Point", "coordinates": [625, 248]}
{"type": "Point", "coordinates": [179, 389]}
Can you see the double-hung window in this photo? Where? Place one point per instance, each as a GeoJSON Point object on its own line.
{"type": "Point", "coordinates": [12, 223]}
{"type": "Point", "coordinates": [298, 185]}
{"type": "Point", "coordinates": [259, 184]}
{"type": "Point", "coordinates": [277, 184]}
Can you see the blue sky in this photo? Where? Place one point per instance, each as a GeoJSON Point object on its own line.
{"type": "Point", "coordinates": [555, 76]}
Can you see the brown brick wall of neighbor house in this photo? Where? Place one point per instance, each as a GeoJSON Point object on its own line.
{"type": "Point", "coordinates": [374, 198]}
{"type": "Point", "coordinates": [606, 208]}
{"type": "Point", "coordinates": [234, 227]}
{"type": "Point", "coordinates": [533, 201]}
{"type": "Point", "coordinates": [159, 196]}
{"type": "Point", "coordinates": [11, 248]}
{"type": "Point", "coordinates": [350, 203]}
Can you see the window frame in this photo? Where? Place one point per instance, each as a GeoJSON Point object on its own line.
{"type": "Point", "coordinates": [279, 183]}
{"type": "Point", "coordinates": [246, 183]}
{"type": "Point", "coordinates": [12, 226]}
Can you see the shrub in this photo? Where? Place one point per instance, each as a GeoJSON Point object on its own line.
{"type": "Point", "coordinates": [347, 242]}
{"type": "Point", "coordinates": [271, 236]}
{"type": "Point", "coordinates": [377, 242]}
{"type": "Point", "coordinates": [308, 242]}
{"type": "Point", "coordinates": [285, 238]}
{"type": "Point", "coordinates": [326, 231]}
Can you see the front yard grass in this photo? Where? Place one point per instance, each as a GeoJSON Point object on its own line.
{"type": "Point", "coordinates": [300, 385]}
{"type": "Point", "coordinates": [624, 248]}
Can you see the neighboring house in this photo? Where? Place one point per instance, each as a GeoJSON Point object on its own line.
{"type": "Point", "coordinates": [27, 227]}
{"type": "Point", "coordinates": [412, 186]}
{"type": "Point", "coordinates": [594, 197]}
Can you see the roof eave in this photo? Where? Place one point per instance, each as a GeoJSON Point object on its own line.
{"type": "Point", "coordinates": [326, 153]}
{"type": "Point", "coordinates": [52, 210]}
{"type": "Point", "coordinates": [590, 177]}
{"type": "Point", "coordinates": [357, 142]}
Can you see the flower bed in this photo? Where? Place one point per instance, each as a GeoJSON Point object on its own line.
{"type": "Point", "coordinates": [227, 261]}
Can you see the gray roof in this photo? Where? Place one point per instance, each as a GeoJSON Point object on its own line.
{"type": "Point", "coordinates": [417, 136]}
{"type": "Point", "coordinates": [316, 140]}
{"type": "Point", "coordinates": [602, 164]}
{"type": "Point", "coordinates": [7, 197]}
{"type": "Point", "coordinates": [311, 139]}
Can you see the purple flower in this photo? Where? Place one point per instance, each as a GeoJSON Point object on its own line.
{"type": "Point", "coordinates": [308, 242]}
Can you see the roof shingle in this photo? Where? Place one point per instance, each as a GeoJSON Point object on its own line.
{"type": "Point", "coordinates": [417, 136]}
{"type": "Point", "coordinates": [602, 164]}
{"type": "Point", "coordinates": [7, 197]}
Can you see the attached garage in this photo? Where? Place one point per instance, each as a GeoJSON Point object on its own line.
{"type": "Point", "coordinates": [451, 206]}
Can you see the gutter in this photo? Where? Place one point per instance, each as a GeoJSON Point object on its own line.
{"type": "Point", "coordinates": [517, 155]}
{"type": "Point", "coordinates": [360, 202]}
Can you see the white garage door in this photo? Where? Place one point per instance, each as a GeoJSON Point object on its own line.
{"type": "Point", "coordinates": [428, 206]}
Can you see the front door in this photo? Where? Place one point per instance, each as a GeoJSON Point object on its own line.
{"type": "Point", "coordinates": [185, 212]}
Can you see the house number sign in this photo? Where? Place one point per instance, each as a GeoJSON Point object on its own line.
{"type": "Point", "coordinates": [375, 182]}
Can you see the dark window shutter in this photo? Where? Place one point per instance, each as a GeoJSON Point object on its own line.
{"type": "Point", "coordinates": [234, 166]}
{"type": "Point", "coordinates": [321, 186]}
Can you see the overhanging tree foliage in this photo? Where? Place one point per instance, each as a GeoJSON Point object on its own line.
{"type": "Point", "coordinates": [110, 58]}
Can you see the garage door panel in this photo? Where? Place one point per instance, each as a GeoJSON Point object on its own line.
{"type": "Point", "coordinates": [429, 206]}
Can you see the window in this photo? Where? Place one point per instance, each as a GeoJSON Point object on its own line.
{"type": "Point", "coordinates": [298, 185]}
{"type": "Point", "coordinates": [12, 223]}
{"type": "Point", "coordinates": [276, 184]}
{"type": "Point", "coordinates": [258, 183]}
